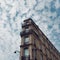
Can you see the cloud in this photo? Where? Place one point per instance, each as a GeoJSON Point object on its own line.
{"type": "Point", "coordinates": [12, 12]}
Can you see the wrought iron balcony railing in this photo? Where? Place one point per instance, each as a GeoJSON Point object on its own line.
{"type": "Point", "coordinates": [25, 58]}
{"type": "Point", "coordinates": [25, 32]}
{"type": "Point", "coordinates": [29, 31]}
{"type": "Point", "coordinates": [25, 24]}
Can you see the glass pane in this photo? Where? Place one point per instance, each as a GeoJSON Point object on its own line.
{"type": "Point", "coordinates": [41, 57]}
{"type": "Point", "coordinates": [26, 52]}
{"type": "Point", "coordinates": [26, 40]}
{"type": "Point", "coordinates": [40, 47]}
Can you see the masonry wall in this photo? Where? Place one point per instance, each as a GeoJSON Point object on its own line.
{"type": "Point", "coordinates": [40, 48]}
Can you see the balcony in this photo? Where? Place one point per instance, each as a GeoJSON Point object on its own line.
{"type": "Point", "coordinates": [29, 31]}
{"type": "Point", "coordinates": [25, 24]}
{"type": "Point", "coordinates": [25, 32]}
{"type": "Point", "coordinates": [25, 58]}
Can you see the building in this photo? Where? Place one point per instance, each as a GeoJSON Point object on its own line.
{"type": "Point", "coordinates": [35, 45]}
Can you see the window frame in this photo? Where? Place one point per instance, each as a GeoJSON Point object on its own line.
{"type": "Point", "coordinates": [26, 39]}
{"type": "Point", "coordinates": [25, 50]}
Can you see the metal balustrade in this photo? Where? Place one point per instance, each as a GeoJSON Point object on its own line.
{"type": "Point", "coordinates": [25, 58]}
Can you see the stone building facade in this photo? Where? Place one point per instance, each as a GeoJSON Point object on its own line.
{"type": "Point", "coordinates": [35, 45]}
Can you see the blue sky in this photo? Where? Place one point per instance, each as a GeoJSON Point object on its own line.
{"type": "Point", "coordinates": [45, 13]}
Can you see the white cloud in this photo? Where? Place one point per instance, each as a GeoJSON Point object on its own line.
{"type": "Point", "coordinates": [10, 24]}
{"type": "Point", "coordinates": [40, 6]}
{"type": "Point", "coordinates": [30, 3]}
{"type": "Point", "coordinates": [57, 4]}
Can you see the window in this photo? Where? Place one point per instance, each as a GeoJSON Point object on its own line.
{"type": "Point", "coordinates": [26, 40]}
{"type": "Point", "coordinates": [44, 49]}
{"type": "Point", "coordinates": [27, 27]}
{"type": "Point", "coordinates": [41, 57]}
{"type": "Point", "coordinates": [26, 52]}
{"type": "Point", "coordinates": [34, 53]}
{"type": "Point", "coordinates": [40, 47]}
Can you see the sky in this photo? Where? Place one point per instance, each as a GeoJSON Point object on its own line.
{"type": "Point", "coordinates": [45, 13]}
